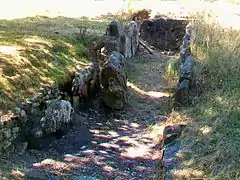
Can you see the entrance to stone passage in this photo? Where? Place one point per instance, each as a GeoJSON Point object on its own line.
{"type": "Point", "coordinates": [109, 144]}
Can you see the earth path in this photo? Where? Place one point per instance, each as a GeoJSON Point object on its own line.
{"type": "Point", "coordinates": [105, 144]}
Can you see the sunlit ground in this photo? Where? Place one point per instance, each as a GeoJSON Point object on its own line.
{"type": "Point", "coordinates": [227, 14]}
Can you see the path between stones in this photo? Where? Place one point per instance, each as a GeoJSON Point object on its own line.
{"type": "Point", "coordinates": [103, 144]}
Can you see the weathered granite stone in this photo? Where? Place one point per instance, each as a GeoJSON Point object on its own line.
{"type": "Point", "coordinates": [57, 115]}
{"type": "Point", "coordinates": [114, 81]}
{"type": "Point", "coordinates": [185, 48]}
{"type": "Point", "coordinates": [85, 84]}
{"type": "Point", "coordinates": [122, 39]}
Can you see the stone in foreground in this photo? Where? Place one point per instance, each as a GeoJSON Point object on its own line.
{"type": "Point", "coordinates": [114, 81]}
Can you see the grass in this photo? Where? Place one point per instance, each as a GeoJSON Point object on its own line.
{"type": "Point", "coordinates": [213, 135]}
{"type": "Point", "coordinates": [32, 55]}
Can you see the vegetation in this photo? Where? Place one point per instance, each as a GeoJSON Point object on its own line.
{"type": "Point", "coordinates": [213, 134]}
{"type": "Point", "coordinates": [31, 56]}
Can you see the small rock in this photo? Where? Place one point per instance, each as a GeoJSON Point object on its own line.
{"type": "Point", "coordinates": [170, 133]}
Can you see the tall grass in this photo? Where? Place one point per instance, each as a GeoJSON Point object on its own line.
{"type": "Point", "coordinates": [214, 130]}
{"type": "Point", "coordinates": [219, 50]}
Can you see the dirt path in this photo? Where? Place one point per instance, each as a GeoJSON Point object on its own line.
{"type": "Point", "coordinates": [104, 144]}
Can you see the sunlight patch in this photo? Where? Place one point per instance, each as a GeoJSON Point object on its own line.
{"type": "Point", "coordinates": [9, 50]}
{"type": "Point", "coordinates": [205, 130]}
{"type": "Point", "coordinates": [187, 173]}
{"type": "Point", "coordinates": [36, 39]}
{"type": "Point", "coordinates": [57, 165]}
{"type": "Point", "coordinates": [134, 152]}
{"type": "Point", "coordinates": [157, 94]}
{"type": "Point", "coordinates": [148, 93]}
{"type": "Point", "coordinates": [17, 174]}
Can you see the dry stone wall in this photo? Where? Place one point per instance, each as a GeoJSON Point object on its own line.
{"type": "Point", "coordinates": [9, 130]}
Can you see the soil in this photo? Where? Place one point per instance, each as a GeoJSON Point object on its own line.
{"type": "Point", "coordinates": [105, 144]}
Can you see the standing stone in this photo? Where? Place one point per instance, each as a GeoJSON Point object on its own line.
{"type": "Point", "coordinates": [114, 81]}
{"type": "Point", "coordinates": [132, 39]}
{"type": "Point", "coordinates": [115, 38]}
{"type": "Point", "coordinates": [57, 115]}
{"type": "Point", "coordinates": [122, 39]}
{"type": "Point", "coordinates": [185, 48]}
{"type": "Point", "coordinates": [85, 84]}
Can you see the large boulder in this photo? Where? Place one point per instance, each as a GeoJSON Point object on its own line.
{"type": "Point", "coordinates": [57, 120]}
{"type": "Point", "coordinates": [114, 81]}
{"type": "Point", "coordinates": [115, 38]}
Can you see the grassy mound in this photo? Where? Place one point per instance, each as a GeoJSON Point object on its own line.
{"type": "Point", "coordinates": [32, 55]}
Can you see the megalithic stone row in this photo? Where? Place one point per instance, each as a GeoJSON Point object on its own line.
{"type": "Point", "coordinates": [121, 39]}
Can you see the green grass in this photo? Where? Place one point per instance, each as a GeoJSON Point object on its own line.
{"type": "Point", "coordinates": [32, 55]}
{"type": "Point", "coordinates": [213, 135]}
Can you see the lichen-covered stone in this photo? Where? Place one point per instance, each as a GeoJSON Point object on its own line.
{"type": "Point", "coordinates": [188, 71]}
{"type": "Point", "coordinates": [185, 48]}
{"type": "Point", "coordinates": [114, 81]}
{"type": "Point", "coordinates": [5, 144]}
{"type": "Point", "coordinates": [115, 37]}
{"type": "Point", "coordinates": [132, 39]}
{"type": "Point", "coordinates": [85, 84]}
{"type": "Point", "coordinates": [122, 39]}
{"type": "Point", "coordinates": [15, 130]}
{"type": "Point", "coordinates": [57, 115]}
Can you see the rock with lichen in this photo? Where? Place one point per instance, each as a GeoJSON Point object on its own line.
{"type": "Point", "coordinates": [114, 81]}
{"type": "Point", "coordinates": [57, 120]}
{"type": "Point", "coordinates": [85, 84]}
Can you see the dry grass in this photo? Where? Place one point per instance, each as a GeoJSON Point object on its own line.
{"type": "Point", "coordinates": [213, 135]}
{"type": "Point", "coordinates": [32, 55]}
